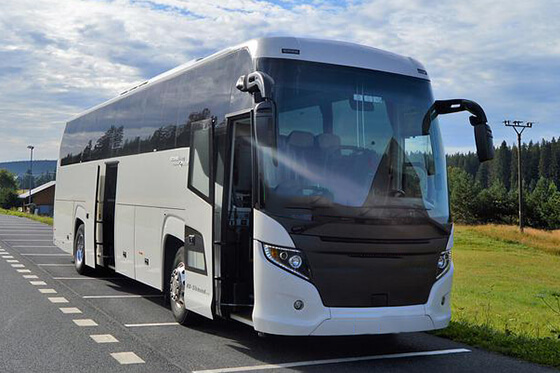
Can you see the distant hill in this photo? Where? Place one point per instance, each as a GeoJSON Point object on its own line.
{"type": "Point", "coordinates": [20, 167]}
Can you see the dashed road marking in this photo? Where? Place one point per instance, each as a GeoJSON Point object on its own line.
{"type": "Point", "coordinates": [7, 257]}
{"type": "Point", "coordinates": [121, 296]}
{"type": "Point", "coordinates": [24, 270]}
{"type": "Point", "coordinates": [151, 324]}
{"type": "Point", "coordinates": [12, 261]}
{"type": "Point", "coordinates": [38, 283]}
{"type": "Point", "coordinates": [335, 361]}
{"type": "Point", "coordinates": [127, 358]}
{"type": "Point", "coordinates": [47, 291]}
{"type": "Point", "coordinates": [58, 300]}
{"type": "Point", "coordinates": [104, 338]}
{"type": "Point", "coordinates": [70, 310]}
{"type": "Point", "coordinates": [84, 322]}
{"type": "Point", "coordinates": [30, 276]}
{"type": "Point", "coordinates": [17, 265]}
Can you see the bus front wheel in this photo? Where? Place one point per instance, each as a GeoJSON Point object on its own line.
{"type": "Point", "coordinates": [80, 250]}
{"type": "Point", "coordinates": [177, 283]}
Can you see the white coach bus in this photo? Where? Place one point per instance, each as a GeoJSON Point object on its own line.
{"type": "Point", "coordinates": [295, 185]}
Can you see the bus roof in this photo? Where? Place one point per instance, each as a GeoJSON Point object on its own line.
{"type": "Point", "coordinates": [304, 49]}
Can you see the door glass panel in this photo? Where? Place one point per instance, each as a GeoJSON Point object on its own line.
{"type": "Point", "coordinates": [200, 157]}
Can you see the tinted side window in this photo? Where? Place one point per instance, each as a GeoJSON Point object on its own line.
{"type": "Point", "coordinates": [151, 134]}
{"type": "Point", "coordinates": [71, 145]}
{"type": "Point", "coordinates": [171, 102]}
{"type": "Point", "coordinates": [131, 113]}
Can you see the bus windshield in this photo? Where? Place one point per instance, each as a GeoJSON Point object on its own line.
{"type": "Point", "coordinates": [350, 145]}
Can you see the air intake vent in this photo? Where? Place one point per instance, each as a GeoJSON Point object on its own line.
{"type": "Point", "coordinates": [375, 241]}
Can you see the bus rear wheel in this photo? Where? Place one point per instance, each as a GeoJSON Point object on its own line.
{"type": "Point", "coordinates": [177, 283]}
{"type": "Point", "coordinates": [80, 250]}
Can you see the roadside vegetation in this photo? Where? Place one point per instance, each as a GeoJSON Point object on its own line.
{"type": "Point", "coordinates": [488, 192]}
{"type": "Point", "coordinates": [506, 292]}
{"type": "Point", "coordinates": [8, 189]}
{"type": "Point", "coordinates": [42, 219]}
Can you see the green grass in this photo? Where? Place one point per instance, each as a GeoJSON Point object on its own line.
{"type": "Point", "coordinates": [496, 296]}
{"type": "Point", "coordinates": [42, 219]}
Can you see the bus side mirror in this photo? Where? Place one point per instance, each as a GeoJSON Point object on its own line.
{"type": "Point", "coordinates": [482, 131]}
{"type": "Point", "coordinates": [258, 84]}
{"type": "Point", "coordinates": [265, 124]}
{"type": "Point", "coordinates": [484, 140]}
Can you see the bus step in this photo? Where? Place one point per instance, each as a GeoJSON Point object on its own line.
{"type": "Point", "coordinates": [244, 318]}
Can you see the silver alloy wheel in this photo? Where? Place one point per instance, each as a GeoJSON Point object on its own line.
{"type": "Point", "coordinates": [177, 285]}
{"type": "Point", "coordinates": [79, 249]}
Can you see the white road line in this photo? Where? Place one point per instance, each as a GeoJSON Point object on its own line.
{"type": "Point", "coordinates": [84, 322]}
{"type": "Point", "coordinates": [127, 358]}
{"type": "Point", "coordinates": [38, 283]}
{"type": "Point", "coordinates": [30, 276]}
{"type": "Point", "coordinates": [7, 257]}
{"type": "Point", "coordinates": [39, 254]}
{"type": "Point", "coordinates": [12, 261]}
{"type": "Point", "coordinates": [24, 270]}
{"type": "Point", "coordinates": [47, 291]}
{"type": "Point", "coordinates": [88, 278]}
{"type": "Point", "coordinates": [58, 300]}
{"type": "Point", "coordinates": [104, 338]}
{"type": "Point", "coordinates": [335, 361]}
{"type": "Point", "coordinates": [55, 265]}
{"type": "Point", "coordinates": [70, 310]}
{"type": "Point", "coordinates": [121, 296]}
{"type": "Point", "coordinates": [17, 265]}
{"type": "Point", "coordinates": [151, 324]}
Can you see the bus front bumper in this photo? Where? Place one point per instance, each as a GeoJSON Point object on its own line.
{"type": "Point", "coordinates": [276, 291]}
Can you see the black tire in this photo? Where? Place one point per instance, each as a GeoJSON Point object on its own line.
{"type": "Point", "coordinates": [176, 291]}
{"type": "Point", "coordinates": [80, 250]}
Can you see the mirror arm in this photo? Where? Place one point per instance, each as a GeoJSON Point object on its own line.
{"type": "Point", "coordinates": [482, 131]}
{"type": "Point", "coordinates": [453, 106]}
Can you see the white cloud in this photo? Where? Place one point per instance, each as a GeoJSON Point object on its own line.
{"type": "Point", "coordinates": [60, 57]}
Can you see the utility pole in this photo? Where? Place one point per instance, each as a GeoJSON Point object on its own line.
{"type": "Point", "coordinates": [30, 147]}
{"type": "Point", "coordinates": [519, 127]}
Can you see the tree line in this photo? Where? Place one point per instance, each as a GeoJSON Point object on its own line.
{"type": "Point", "coordinates": [488, 192]}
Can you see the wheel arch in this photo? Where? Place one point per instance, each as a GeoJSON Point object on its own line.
{"type": "Point", "coordinates": [81, 217]}
{"type": "Point", "coordinates": [172, 240]}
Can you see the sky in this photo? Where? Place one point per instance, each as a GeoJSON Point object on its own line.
{"type": "Point", "coordinates": [60, 57]}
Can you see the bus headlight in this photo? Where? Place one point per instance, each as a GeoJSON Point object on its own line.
{"type": "Point", "coordinates": [444, 262]}
{"type": "Point", "coordinates": [292, 260]}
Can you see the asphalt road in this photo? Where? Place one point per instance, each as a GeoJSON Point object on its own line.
{"type": "Point", "coordinates": [53, 320]}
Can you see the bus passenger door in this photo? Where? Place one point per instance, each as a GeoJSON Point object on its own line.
{"type": "Point", "coordinates": [233, 260]}
{"type": "Point", "coordinates": [105, 215]}
{"type": "Point", "coordinates": [198, 220]}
